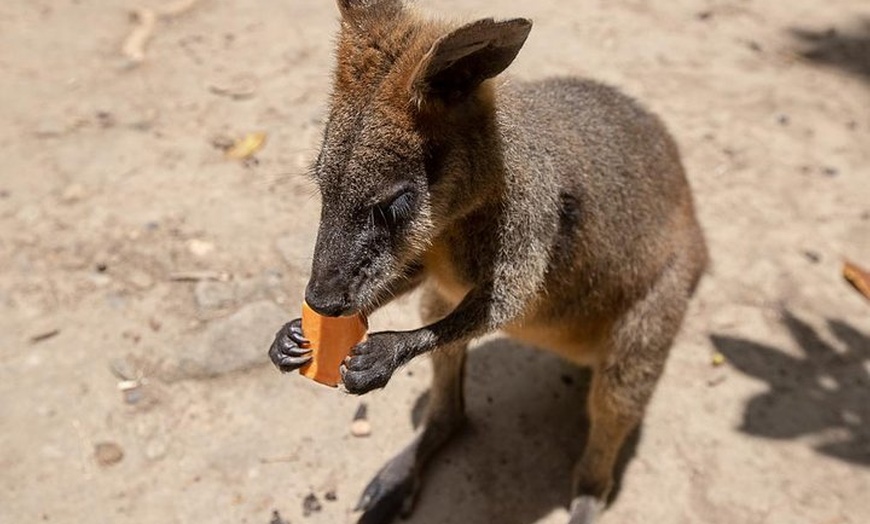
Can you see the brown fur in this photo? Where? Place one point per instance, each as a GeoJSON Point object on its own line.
{"type": "Point", "coordinates": [557, 211]}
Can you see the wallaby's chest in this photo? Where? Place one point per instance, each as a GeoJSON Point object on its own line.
{"type": "Point", "coordinates": [444, 272]}
{"type": "Point", "coordinates": [463, 256]}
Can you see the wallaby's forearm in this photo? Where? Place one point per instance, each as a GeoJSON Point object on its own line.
{"type": "Point", "coordinates": [479, 313]}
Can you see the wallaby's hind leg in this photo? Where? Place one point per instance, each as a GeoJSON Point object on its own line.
{"type": "Point", "coordinates": [393, 490]}
{"type": "Point", "coordinates": [611, 421]}
{"type": "Point", "coordinates": [622, 385]}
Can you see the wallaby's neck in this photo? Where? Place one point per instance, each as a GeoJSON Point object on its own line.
{"type": "Point", "coordinates": [471, 163]}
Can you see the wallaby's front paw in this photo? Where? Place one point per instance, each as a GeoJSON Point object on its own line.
{"type": "Point", "coordinates": [371, 363]}
{"type": "Point", "coordinates": [287, 351]}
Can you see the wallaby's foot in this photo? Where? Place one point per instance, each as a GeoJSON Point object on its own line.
{"type": "Point", "coordinates": [585, 509]}
{"type": "Point", "coordinates": [371, 363]}
{"type": "Point", "coordinates": [287, 351]}
{"type": "Point", "coordinates": [393, 491]}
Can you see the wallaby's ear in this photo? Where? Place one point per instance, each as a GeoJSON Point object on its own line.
{"type": "Point", "coordinates": [459, 61]}
{"type": "Point", "coordinates": [353, 9]}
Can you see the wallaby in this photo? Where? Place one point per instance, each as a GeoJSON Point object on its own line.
{"type": "Point", "coordinates": [556, 211]}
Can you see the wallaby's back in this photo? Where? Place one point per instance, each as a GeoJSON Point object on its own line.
{"type": "Point", "coordinates": [623, 205]}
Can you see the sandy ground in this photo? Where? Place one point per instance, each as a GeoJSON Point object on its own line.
{"type": "Point", "coordinates": [111, 183]}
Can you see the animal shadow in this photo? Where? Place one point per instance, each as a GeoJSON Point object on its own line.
{"type": "Point", "coordinates": [527, 427]}
{"type": "Point", "coordinates": [848, 50]}
{"type": "Point", "coordinates": [824, 392]}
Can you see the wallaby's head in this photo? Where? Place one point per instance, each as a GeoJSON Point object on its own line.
{"type": "Point", "coordinates": [407, 95]}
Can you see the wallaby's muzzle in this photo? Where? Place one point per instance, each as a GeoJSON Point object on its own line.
{"type": "Point", "coordinates": [328, 290]}
{"type": "Point", "coordinates": [327, 297]}
{"type": "Point", "coordinates": [342, 266]}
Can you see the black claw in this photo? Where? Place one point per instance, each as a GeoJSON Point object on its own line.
{"type": "Point", "coordinates": [295, 334]}
{"type": "Point", "coordinates": [298, 339]}
{"type": "Point", "coordinates": [290, 349]}
{"type": "Point", "coordinates": [293, 362]}
{"type": "Point", "coordinates": [295, 352]}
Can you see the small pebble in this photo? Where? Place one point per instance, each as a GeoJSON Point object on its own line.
{"type": "Point", "coordinates": [108, 453]}
{"type": "Point", "coordinates": [133, 396]}
{"type": "Point", "coordinates": [718, 359]}
{"type": "Point", "coordinates": [361, 428]}
{"type": "Point", "coordinates": [199, 248]}
{"type": "Point", "coordinates": [331, 495]}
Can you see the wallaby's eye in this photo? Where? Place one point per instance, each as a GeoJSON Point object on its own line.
{"type": "Point", "coordinates": [395, 210]}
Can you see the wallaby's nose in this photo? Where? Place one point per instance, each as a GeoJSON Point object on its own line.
{"type": "Point", "coordinates": [327, 302]}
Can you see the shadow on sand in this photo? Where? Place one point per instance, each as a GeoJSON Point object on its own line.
{"type": "Point", "coordinates": [513, 463]}
{"type": "Point", "coordinates": [824, 393]}
{"type": "Point", "coordinates": [847, 49]}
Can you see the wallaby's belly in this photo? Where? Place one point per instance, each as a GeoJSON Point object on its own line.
{"type": "Point", "coordinates": [577, 343]}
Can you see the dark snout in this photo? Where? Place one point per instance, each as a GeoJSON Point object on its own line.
{"type": "Point", "coordinates": [327, 293]}
{"type": "Point", "coordinates": [329, 288]}
{"type": "Point", "coordinates": [340, 266]}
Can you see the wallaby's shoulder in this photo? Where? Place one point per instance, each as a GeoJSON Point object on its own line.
{"type": "Point", "coordinates": [582, 99]}
{"type": "Point", "coordinates": [590, 123]}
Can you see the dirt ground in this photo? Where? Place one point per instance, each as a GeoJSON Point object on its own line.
{"type": "Point", "coordinates": [116, 201]}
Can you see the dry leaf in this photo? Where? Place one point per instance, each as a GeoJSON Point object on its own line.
{"type": "Point", "coordinates": [858, 277]}
{"type": "Point", "coordinates": [247, 146]}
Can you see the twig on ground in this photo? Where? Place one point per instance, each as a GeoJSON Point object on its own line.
{"type": "Point", "coordinates": [134, 45]}
{"type": "Point", "coordinates": [45, 335]}
{"type": "Point", "coordinates": [196, 276]}
{"type": "Point", "coordinates": [146, 22]}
